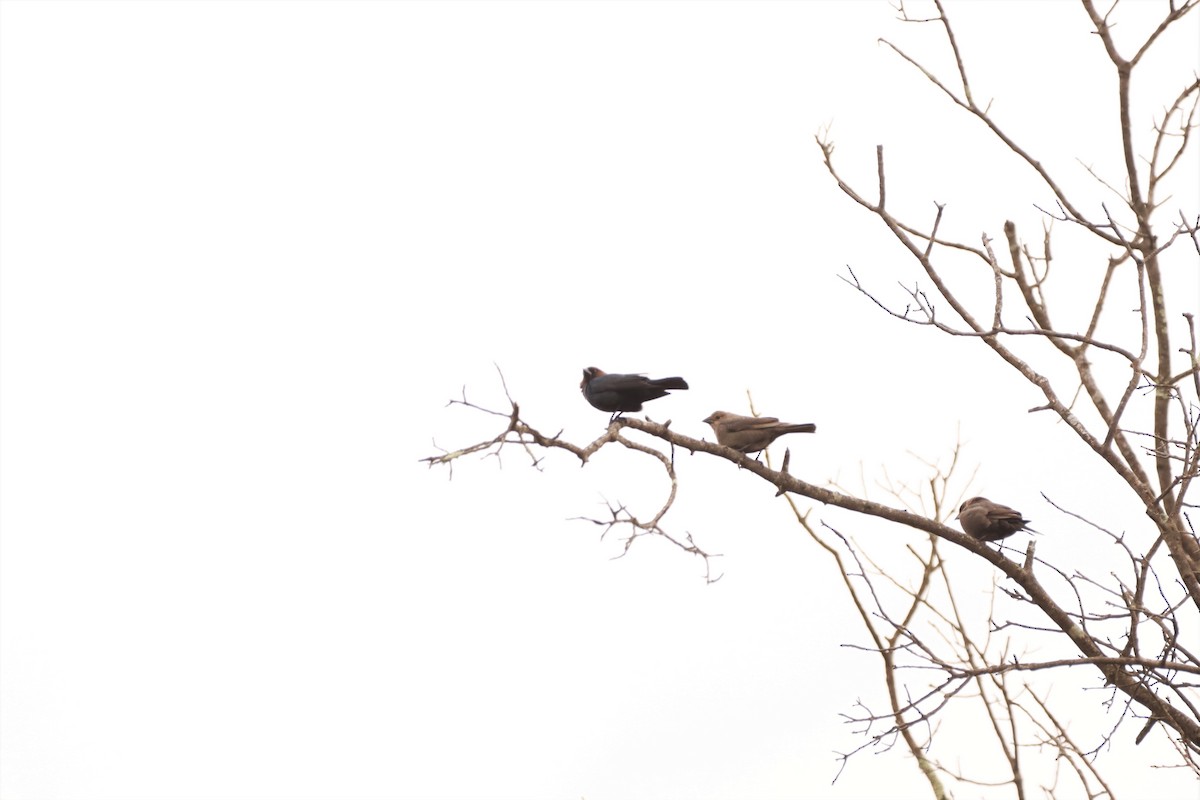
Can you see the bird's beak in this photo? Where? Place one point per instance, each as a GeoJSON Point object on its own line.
{"type": "Point", "coordinates": [708, 420]}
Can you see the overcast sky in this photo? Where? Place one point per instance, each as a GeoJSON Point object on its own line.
{"type": "Point", "coordinates": [251, 249]}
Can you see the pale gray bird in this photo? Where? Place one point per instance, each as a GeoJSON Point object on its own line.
{"type": "Point", "coordinates": [751, 434]}
{"type": "Point", "coordinates": [988, 521]}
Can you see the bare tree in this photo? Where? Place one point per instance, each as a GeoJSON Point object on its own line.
{"type": "Point", "coordinates": [1133, 400]}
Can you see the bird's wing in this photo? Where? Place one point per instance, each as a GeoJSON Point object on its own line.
{"type": "Point", "coordinates": [999, 512]}
{"type": "Point", "coordinates": [736, 424]}
{"type": "Point", "coordinates": [618, 382]}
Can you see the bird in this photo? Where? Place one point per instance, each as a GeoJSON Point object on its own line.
{"type": "Point", "coordinates": [751, 434]}
{"type": "Point", "coordinates": [988, 521]}
{"type": "Point", "coordinates": [618, 393]}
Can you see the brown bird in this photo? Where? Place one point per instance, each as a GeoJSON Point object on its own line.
{"type": "Point", "coordinates": [751, 434]}
{"type": "Point", "coordinates": [618, 393]}
{"type": "Point", "coordinates": [988, 521]}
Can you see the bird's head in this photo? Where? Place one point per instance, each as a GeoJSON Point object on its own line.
{"type": "Point", "coordinates": [589, 373]}
{"type": "Point", "coordinates": [716, 416]}
{"type": "Point", "coordinates": [972, 501]}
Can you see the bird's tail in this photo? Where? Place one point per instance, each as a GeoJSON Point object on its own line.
{"type": "Point", "coordinates": [807, 427]}
{"type": "Point", "coordinates": [669, 383]}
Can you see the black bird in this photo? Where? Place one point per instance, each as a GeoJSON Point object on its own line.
{"type": "Point", "coordinates": [988, 521]}
{"type": "Point", "coordinates": [751, 434]}
{"type": "Point", "coordinates": [617, 394]}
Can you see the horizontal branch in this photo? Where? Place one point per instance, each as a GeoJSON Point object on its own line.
{"type": "Point", "coordinates": [1114, 670]}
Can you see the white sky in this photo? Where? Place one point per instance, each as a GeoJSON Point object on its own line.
{"type": "Point", "coordinates": [251, 249]}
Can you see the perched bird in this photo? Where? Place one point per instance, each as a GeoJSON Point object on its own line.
{"type": "Point", "coordinates": [988, 521]}
{"type": "Point", "coordinates": [751, 434]}
{"type": "Point", "coordinates": [620, 393]}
